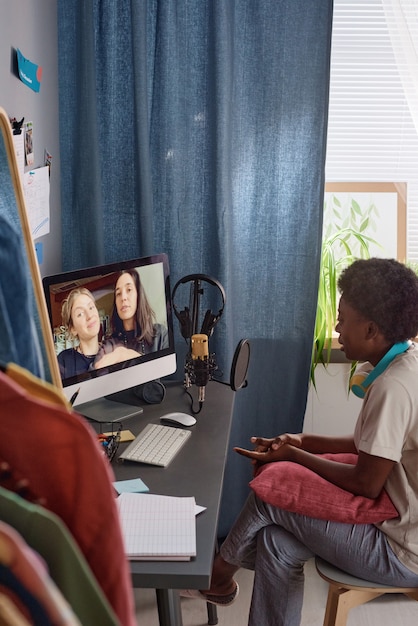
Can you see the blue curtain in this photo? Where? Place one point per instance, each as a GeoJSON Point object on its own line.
{"type": "Point", "coordinates": [198, 128]}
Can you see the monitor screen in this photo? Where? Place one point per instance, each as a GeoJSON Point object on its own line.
{"type": "Point", "coordinates": [112, 329]}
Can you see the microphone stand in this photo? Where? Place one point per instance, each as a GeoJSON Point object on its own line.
{"type": "Point", "coordinates": [198, 368]}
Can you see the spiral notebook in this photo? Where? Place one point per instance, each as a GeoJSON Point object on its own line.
{"type": "Point", "coordinates": [158, 528]}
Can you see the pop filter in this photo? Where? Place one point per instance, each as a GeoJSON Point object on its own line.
{"type": "Point", "coordinates": [239, 367]}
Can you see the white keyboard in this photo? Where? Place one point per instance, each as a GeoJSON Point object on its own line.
{"type": "Point", "coordinates": [156, 445]}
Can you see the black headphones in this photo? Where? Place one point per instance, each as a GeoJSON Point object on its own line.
{"type": "Point", "coordinates": [189, 319]}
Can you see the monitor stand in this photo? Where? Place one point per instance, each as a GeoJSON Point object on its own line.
{"type": "Point", "coordinates": [108, 409]}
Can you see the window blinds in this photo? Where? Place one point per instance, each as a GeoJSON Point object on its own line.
{"type": "Point", "coordinates": [371, 135]}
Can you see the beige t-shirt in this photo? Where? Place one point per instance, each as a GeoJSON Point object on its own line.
{"type": "Point", "coordinates": [387, 427]}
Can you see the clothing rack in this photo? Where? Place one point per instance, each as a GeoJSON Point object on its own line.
{"type": "Point", "coordinates": [61, 453]}
{"type": "Point", "coordinates": [11, 165]}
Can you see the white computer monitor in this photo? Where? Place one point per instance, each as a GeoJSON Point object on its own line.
{"type": "Point", "coordinates": [95, 387]}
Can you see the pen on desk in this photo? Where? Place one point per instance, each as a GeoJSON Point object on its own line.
{"type": "Point", "coordinates": [74, 396]}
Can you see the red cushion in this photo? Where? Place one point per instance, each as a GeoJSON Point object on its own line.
{"type": "Point", "coordinates": [295, 488]}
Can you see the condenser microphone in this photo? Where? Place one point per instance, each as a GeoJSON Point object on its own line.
{"type": "Point", "coordinates": [200, 363]}
{"type": "Point", "coordinates": [199, 366]}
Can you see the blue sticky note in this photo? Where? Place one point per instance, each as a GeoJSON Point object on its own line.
{"type": "Point", "coordinates": [135, 485]}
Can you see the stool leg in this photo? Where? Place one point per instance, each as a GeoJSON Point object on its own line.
{"type": "Point", "coordinates": [340, 601]}
{"type": "Point", "coordinates": [336, 612]}
{"type": "Point", "coordinates": [413, 595]}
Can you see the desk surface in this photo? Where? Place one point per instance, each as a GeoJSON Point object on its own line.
{"type": "Point", "coordinates": [197, 470]}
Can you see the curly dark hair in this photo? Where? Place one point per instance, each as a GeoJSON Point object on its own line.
{"type": "Point", "coordinates": [385, 292]}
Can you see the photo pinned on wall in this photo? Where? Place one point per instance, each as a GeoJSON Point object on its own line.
{"type": "Point", "coordinates": [29, 153]}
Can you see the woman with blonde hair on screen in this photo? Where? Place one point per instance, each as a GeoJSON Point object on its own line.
{"type": "Point", "coordinates": [81, 320]}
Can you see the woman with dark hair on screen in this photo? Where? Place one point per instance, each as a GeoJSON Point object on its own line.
{"type": "Point", "coordinates": [133, 321]}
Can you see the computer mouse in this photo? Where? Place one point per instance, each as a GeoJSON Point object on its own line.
{"type": "Point", "coordinates": [182, 419]}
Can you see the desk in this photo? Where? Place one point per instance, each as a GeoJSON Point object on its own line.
{"type": "Point", "coordinates": [198, 471]}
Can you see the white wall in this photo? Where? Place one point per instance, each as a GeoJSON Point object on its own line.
{"type": "Point", "coordinates": [330, 410]}
{"type": "Point", "coordinates": [31, 26]}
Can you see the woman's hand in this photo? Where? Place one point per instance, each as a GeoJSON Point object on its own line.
{"type": "Point", "coordinates": [119, 354]}
{"type": "Point", "coordinates": [271, 450]}
{"type": "Point", "coordinates": [262, 444]}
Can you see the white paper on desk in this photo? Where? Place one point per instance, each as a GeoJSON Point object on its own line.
{"type": "Point", "coordinates": [158, 527]}
{"type": "Point", "coordinates": [36, 189]}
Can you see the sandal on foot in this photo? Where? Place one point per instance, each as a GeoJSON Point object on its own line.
{"type": "Point", "coordinates": [210, 597]}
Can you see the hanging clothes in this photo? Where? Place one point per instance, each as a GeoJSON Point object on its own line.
{"type": "Point", "coordinates": [31, 571]}
{"type": "Point", "coordinates": [45, 533]}
{"type": "Point", "coordinates": [58, 450]}
{"type": "Point", "coordinates": [19, 336]}
{"type": "Point", "coordinates": [34, 386]}
{"type": "Point", "coordinates": [24, 598]}
{"type": "Point", "coordinates": [10, 615]}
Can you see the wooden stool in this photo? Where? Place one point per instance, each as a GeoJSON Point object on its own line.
{"type": "Point", "coordinates": [345, 592]}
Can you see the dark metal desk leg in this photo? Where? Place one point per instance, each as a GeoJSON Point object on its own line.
{"type": "Point", "coordinates": [169, 610]}
{"type": "Point", "coordinates": [211, 608]}
{"type": "Point", "coordinates": [212, 614]}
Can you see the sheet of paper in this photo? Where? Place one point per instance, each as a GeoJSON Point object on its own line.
{"type": "Point", "coordinates": [18, 141]}
{"type": "Point", "coordinates": [158, 527]}
{"type": "Point", "coordinates": [36, 190]}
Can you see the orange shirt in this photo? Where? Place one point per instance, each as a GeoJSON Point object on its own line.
{"type": "Point", "coordinates": [60, 455]}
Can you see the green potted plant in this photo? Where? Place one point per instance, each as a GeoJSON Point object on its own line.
{"type": "Point", "coordinates": [343, 242]}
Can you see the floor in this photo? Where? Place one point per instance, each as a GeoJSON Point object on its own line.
{"type": "Point", "coordinates": [384, 611]}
